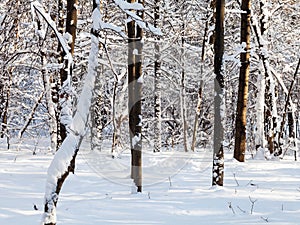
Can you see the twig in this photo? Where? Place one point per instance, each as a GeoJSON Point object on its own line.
{"type": "Point", "coordinates": [170, 182]}
{"type": "Point", "coordinates": [237, 183]}
{"type": "Point", "coordinates": [243, 211]}
{"type": "Point", "coordinates": [265, 219]}
{"type": "Point", "coordinates": [252, 204]}
{"type": "Point", "coordinates": [230, 207]}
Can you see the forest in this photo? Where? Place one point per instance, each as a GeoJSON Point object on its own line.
{"type": "Point", "coordinates": [142, 90]}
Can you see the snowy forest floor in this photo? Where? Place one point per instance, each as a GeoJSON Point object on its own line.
{"type": "Point", "coordinates": [255, 192]}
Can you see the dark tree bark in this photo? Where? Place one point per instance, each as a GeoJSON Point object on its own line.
{"type": "Point", "coordinates": [240, 125]}
{"type": "Point", "coordinates": [65, 96]}
{"type": "Point", "coordinates": [182, 89]}
{"type": "Point", "coordinates": [218, 153]}
{"type": "Point", "coordinates": [135, 35]}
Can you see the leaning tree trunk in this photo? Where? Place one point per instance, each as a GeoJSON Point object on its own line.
{"type": "Point", "coordinates": [135, 35]}
{"type": "Point", "coordinates": [219, 103]}
{"type": "Point", "coordinates": [240, 125]}
{"type": "Point", "coordinates": [64, 160]}
{"type": "Point", "coordinates": [289, 111]}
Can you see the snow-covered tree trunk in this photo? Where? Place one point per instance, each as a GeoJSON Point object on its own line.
{"type": "Point", "coordinates": [6, 98]}
{"type": "Point", "coordinates": [271, 116]}
{"type": "Point", "coordinates": [219, 100]}
{"type": "Point", "coordinates": [96, 123]}
{"type": "Point", "coordinates": [240, 125]}
{"type": "Point", "coordinates": [64, 160]}
{"type": "Point", "coordinates": [65, 93]}
{"type": "Point", "coordinates": [97, 109]}
{"type": "Point", "coordinates": [259, 133]}
{"type": "Point", "coordinates": [157, 81]}
{"type": "Point", "coordinates": [271, 127]}
{"type": "Point", "coordinates": [56, 78]}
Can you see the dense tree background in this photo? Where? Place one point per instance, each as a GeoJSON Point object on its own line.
{"type": "Point", "coordinates": [29, 58]}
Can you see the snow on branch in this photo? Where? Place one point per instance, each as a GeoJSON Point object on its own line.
{"type": "Point", "coordinates": [128, 7]}
{"type": "Point", "coordinates": [37, 9]}
{"type": "Point", "coordinates": [99, 24]}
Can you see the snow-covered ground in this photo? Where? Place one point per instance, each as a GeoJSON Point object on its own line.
{"type": "Point", "coordinates": [100, 192]}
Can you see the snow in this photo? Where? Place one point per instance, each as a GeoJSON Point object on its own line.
{"type": "Point", "coordinates": [135, 52]}
{"type": "Point", "coordinates": [124, 5]}
{"type": "Point", "coordinates": [128, 7]}
{"type": "Point", "coordinates": [68, 37]}
{"type": "Point", "coordinates": [183, 196]}
{"type": "Point", "coordinates": [135, 140]}
{"type": "Point", "coordinates": [98, 24]}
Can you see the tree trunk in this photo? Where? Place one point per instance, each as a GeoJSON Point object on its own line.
{"type": "Point", "coordinates": [218, 153]}
{"type": "Point", "coordinates": [270, 111]}
{"type": "Point", "coordinates": [289, 111]}
{"type": "Point", "coordinates": [198, 109]}
{"type": "Point", "coordinates": [65, 96]}
{"type": "Point", "coordinates": [240, 126]}
{"type": "Point", "coordinates": [157, 82]}
{"type": "Point", "coordinates": [115, 132]}
{"type": "Point", "coordinates": [135, 35]}
{"type": "Point", "coordinates": [197, 116]}
{"type": "Point", "coordinates": [6, 98]}
{"type": "Point", "coordinates": [182, 91]}
{"type": "Point", "coordinates": [64, 160]}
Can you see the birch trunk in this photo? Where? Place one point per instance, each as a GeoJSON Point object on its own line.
{"type": "Point", "coordinates": [157, 81]}
{"type": "Point", "coordinates": [197, 115]}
